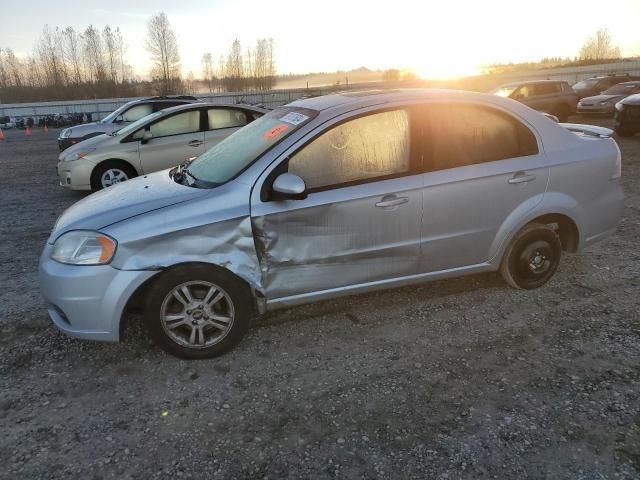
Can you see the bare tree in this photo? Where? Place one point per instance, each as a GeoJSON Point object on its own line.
{"type": "Point", "coordinates": [4, 76]}
{"type": "Point", "coordinates": [14, 68]}
{"type": "Point", "coordinates": [51, 57]}
{"type": "Point", "coordinates": [599, 47]}
{"type": "Point", "coordinates": [71, 49]}
{"type": "Point", "coordinates": [94, 54]}
{"type": "Point", "coordinates": [111, 52]}
{"type": "Point", "coordinates": [234, 69]}
{"type": "Point", "coordinates": [207, 70]}
{"type": "Point", "coordinates": [163, 47]}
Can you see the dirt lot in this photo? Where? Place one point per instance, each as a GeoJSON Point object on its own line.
{"type": "Point", "coordinates": [463, 378]}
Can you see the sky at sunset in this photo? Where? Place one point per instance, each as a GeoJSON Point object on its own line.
{"type": "Point", "coordinates": [436, 39]}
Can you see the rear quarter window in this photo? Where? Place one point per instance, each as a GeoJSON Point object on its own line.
{"type": "Point", "coordinates": [458, 135]}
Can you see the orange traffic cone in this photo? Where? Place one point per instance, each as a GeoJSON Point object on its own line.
{"type": "Point", "coordinates": [46, 128]}
{"type": "Point", "coordinates": [1, 135]}
{"type": "Point", "coordinates": [27, 132]}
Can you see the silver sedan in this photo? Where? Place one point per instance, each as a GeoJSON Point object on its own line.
{"type": "Point", "coordinates": [332, 196]}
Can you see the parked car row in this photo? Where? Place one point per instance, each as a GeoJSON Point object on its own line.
{"type": "Point", "coordinates": [322, 197]}
{"type": "Point", "coordinates": [154, 142]}
{"type": "Point", "coordinates": [126, 114]}
{"type": "Point", "coordinates": [557, 98]}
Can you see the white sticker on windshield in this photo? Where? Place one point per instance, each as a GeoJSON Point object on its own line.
{"type": "Point", "coordinates": [294, 118]}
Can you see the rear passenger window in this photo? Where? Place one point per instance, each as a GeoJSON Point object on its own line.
{"type": "Point", "coordinates": [226, 118]}
{"type": "Point", "coordinates": [461, 135]}
{"type": "Point", "coordinates": [546, 88]}
{"type": "Point", "coordinates": [366, 148]}
{"type": "Point", "coordinates": [137, 112]}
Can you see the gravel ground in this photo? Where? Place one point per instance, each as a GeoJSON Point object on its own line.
{"type": "Point", "coordinates": [463, 378]}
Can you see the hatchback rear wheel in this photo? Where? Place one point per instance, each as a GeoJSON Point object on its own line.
{"type": "Point", "coordinates": [532, 257]}
{"type": "Point", "coordinates": [196, 311]}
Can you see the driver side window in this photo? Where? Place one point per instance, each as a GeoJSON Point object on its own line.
{"type": "Point", "coordinates": [187, 122]}
{"type": "Point", "coordinates": [368, 147]}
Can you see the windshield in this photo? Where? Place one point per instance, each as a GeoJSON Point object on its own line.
{"type": "Point", "coordinates": [505, 90]}
{"type": "Point", "coordinates": [585, 84]}
{"type": "Point", "coordinates": [112, 116]}
{"type": "Point", "coordinates": [239, 150]}
{"type": "Point", "coordinates": [622, 89]}
{"type": "Point", "coordinates": [132, 127]}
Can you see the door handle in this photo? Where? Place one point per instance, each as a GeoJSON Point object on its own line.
{"type": "Point", "coordinates": [521, 177]}
{"type": "Point", "coordinates": [391, 201]}
{"type": "Point", "coordinates": [195, 143]}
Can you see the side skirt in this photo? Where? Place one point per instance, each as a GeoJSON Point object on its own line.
{"type": "Point", "coordinates": [303, 298]}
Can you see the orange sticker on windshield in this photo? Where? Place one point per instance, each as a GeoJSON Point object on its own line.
{"type": "Point", "coordinates": [275, 131]}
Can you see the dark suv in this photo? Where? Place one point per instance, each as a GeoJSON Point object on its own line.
{"type": "Point", "coordinates": [596, 85]}
{"type": "Point", "coordinates": [549, 96]}
{"type": "Point", "coordinates": [126, 114]}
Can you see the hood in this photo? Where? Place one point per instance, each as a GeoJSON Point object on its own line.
{"type": "Point", "coordinates": [92, 142]}
{"type": "Point", "coordinates": [632, 100]}
{"type": "Point", "coordinates": [120, 202]}
{"type": "Point", "coordinates": [95, 127]}
{"type": "Point", "coordinates": [602, 98]}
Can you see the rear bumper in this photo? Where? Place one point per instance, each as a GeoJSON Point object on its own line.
{"type": "Point", "coordinates": [87, 301]}
{"type": "Point", "coordinates": [605, 215]}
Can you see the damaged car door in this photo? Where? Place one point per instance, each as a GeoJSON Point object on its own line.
{"type": "Point", "coordinates": [359, 217]}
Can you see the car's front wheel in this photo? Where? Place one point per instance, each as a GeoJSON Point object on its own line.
{"type": "Point", "coordinates": [111, 172]}
{"type": "Point", "coordinates": [532, 257]}
{"type": "Point", "coordinates": [197, 311]}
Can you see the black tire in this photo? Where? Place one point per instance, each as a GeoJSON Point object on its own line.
{"type": "Point", "coordinates": [561, 112]}
{"type": "Point", "coordinates": [532, 257]}
{"type": "Point", "coordinates": [213, 336]}
{"type": "Point", "coordinates": [111, 165]}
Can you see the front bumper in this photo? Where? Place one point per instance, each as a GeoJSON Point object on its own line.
{"type": "Point", "coordinates": [64, 143]}
{"type": "Point", "coordinates": [87, 301]}
{"type": "Point", "coordinates": [596, 109]}
{"type": "Point", "coordinates": [75, 175]}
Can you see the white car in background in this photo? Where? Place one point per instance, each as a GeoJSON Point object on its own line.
{"type": "Point", "coordinates": [7, 123]}
{"type": "Point", "coordinates": [128, 113]}
{"type": "Point", "coordinates": [158, 141]}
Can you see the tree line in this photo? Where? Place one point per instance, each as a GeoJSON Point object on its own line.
{"type": "Point", "coordinates": [255, 69]}
{"type": "Point", "coordinates": [68, 64]}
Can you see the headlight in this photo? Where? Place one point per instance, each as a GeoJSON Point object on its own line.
{"type": "Point", "coordinates": [78, 155]}
{"type": "Point", "coordinates": [619, 106]}
{"type": "Point", "coordinates": [66, 133]}
{"type": "Point", "coordinates": [83, 247]}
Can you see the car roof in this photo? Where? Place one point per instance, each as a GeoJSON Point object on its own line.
{"type": "Point", "coordinates": [347, 101]}
{"type": "Point", "coordinates": [191, 106]}
{"type": "Point", "coordinates": [531, 82]}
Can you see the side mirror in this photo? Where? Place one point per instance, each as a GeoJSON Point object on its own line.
{"type": "Point", "coordinates": [146, 136]}
{"type": "Point", "coordinates": [119, 119]}
{"type": "Point", "coordinates": [289, 186]}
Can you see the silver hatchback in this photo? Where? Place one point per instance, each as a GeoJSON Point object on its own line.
{"type": "Point", "coordinates": [330, 196]}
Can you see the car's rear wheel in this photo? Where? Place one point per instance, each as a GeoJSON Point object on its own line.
{"type": "Point", "coordinates": [196, 311]}
{"type": "Point", "coordinates": [532, 257]}
{"type": "Point", "coordinates": [111, 172]}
